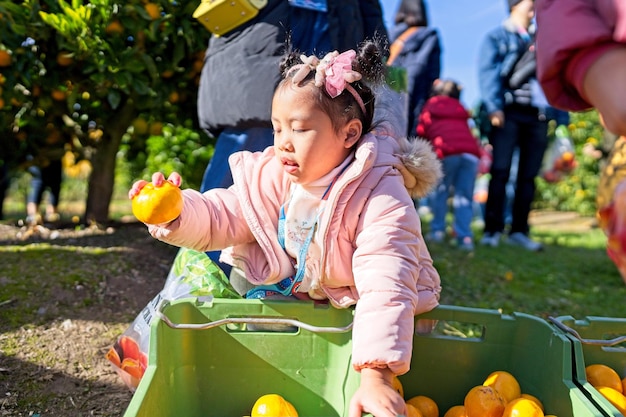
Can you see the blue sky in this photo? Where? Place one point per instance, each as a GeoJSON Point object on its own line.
{"type": "Point", "coordinates": [462, 24]}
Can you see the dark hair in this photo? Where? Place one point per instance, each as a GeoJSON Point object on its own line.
{"type": "Point", "coordinates": [449, 88]}
{"type": "Point", "coordinates": [412, 13]}
{"type": "Point", "coordinates": [368, 62]}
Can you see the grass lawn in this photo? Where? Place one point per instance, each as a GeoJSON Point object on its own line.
{"type": "Point", "coordinates": [571, 276]}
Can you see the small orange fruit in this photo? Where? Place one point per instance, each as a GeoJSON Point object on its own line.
{"type": "Point", "coordinates": [599, 375]}
{"type": "Point", "coordinates": [533, 398]}
{"type": "Point", "coordinates": [412, 411]}
{"type": "Point", "coordinates": [522, 407]}
{"type": "Point", "coordinates": [505, 384]}
{"type": "Point", "coordinates": [273, 405]}
{"type": "Point", "coordinates": [5, 58]}
{"type": "Point", "coordinates": [455, 411]}
{"type": "Point", "coordinates": [114, 28]}
{"type": "Point", "coordinates": [397, 385]}
{"type": "Point", "coordinates": [427, 406]}
{"type": "Point", "coordinates": [484, 401]}
{"type": "Point", "coordinates": [64, 58]}
{"type": "Point", "coordinates": [156, 205]}
{"type": "Point", "coordinates": [615, 397]}
{"type": "Point", "coordinates": [153, 10]}
{"type": "Point", "coordinates": [624, 385]}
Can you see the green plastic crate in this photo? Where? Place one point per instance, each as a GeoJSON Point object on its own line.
{"type": "Point", "coordinates": [221, 371]}
{"type": "Point", "coordinates": [596, 340]}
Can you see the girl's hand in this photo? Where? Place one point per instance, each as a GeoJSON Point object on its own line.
{"type": "Point", "coordinates": [376, 395]}
{"type": "Point", "coordinates": [157, 179]}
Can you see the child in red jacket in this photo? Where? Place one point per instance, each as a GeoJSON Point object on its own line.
{"type": "Point", "coordinates": [444, 122]}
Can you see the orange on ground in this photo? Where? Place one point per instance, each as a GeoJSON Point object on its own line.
{"type": "Point", "coordinates": [455, 411]}
{"type": "Point", "coordinates": [624, 385]}
{"type": "Point", "coordinates": [5, 58]}
{"type": "Point", "coordinates": [522, 407]}
{"type": "Point", "coordinates": [484, 401]}
{"type": "Point", "coordinates": [273, 405]}
{"type": "Point", "coordinates": [156, 205]}
{"type": "Point", "coordinates": [427, 406]}
{"type": "Point", "coordinates": [397, 385]}
{"type": "Point", "coordinates": [412, 411]}
{"type": "Point", "coordinates": [600, 375]}
{"type": "Point", "coordinates": [505, 383]}
{"type": "Point", "coordinates": [535, 399]}
{"type": "Point", "coordinates": [615, 397]}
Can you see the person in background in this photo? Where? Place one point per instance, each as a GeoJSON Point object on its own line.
{"type": "Point", "coordinates": [326, 214]}
{"type": "Point", "coordinates": [516, 109]}
{"type": "Point", "coordinates": [417, 48]}
{"type": "Point", "coordinates": [240, 71]}
{"type": "Point", "coordinates": [444, 122]}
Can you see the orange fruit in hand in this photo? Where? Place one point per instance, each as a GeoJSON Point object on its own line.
{"type": "Point", "coordinates": [522, 407]}
{"type": "Point", "coordinates": [533, 398]}
{"type": "Point", "coordinates": [615, 397]}
{"type": "Point", "coordinates": [273, 405]}
{"type": "Point", "coordinates": [505, 384]}
{"type": "Point", "coordinates": [412, 411]}
{"type": "Point", "coordinates": [156, 205]}
{"type": "Point", "coordinates": [599, 375]}
{"type": "Point", "coordinates": [426, 405]}
{"type": "Point", "coordinates": [455, 411]}
{"type": "Point", "coordinates": [484, 401]}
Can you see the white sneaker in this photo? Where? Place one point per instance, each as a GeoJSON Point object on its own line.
{"type": "Point", "coordinates": [436, 237]}
{"type": "Point", "coordinates": [491, 239]}
{"type": "Point", "coordinates": [520, 239]}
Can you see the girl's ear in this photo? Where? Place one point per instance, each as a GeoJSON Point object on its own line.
{"type": "Point", "coordinates": [352, 130]}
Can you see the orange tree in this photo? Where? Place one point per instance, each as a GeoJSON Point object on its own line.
{"type": "Point", "coordinates": [102, 67]}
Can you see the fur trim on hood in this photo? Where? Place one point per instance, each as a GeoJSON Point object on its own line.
{"type": "Point", "coordinates": [421, 169]}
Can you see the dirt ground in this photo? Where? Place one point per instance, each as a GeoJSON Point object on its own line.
{"type": "Point", "coordinates": [53, 337]}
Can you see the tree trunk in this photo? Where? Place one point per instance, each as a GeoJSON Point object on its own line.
{"type": "Point", "coordinates": [102, 178]}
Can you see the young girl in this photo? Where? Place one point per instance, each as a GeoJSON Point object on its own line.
{"type": "Point", "coordinates": [443, 121]}
{"type": "Point", "coordinates": [326, 214]}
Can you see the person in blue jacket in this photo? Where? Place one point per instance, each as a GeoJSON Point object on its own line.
{"type": "Point", "coordinates": [518, 113]}
{"type": "Point", "coordinates": [241, 70]}
{"type": "Point", "coordinates": [420, 55]}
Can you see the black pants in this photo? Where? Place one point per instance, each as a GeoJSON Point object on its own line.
{"type": "Point", "coordinates": [526, 128]}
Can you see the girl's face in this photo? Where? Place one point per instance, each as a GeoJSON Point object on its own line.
{"type": "Point", "coordinates": [306, 143]}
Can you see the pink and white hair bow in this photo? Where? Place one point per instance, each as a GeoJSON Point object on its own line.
{"type": "Point", "coordinates": [334, 72]}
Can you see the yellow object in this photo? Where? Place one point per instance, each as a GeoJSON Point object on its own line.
{"type": "Point", "coordinates": [455, 411]}
{"type": "Point", "coordinates": [522, 407]}
{"type": "Point", "coordinates": [397, 385]}
{"type": "Point", "coordinates": [426, 405]}
{"type": "Point", "coordinates": [412, 411]}
{"type": "Point", "coordinates": [615, 397]}
{"type": "Point", "coordinates": [599, 375]}
{"type": "Point", "coordinates": [535, 399]}
{"type": "Point", "coordinates": [156, 205]}
{"type": "Point", "coordinates": [222, 16]}
{"type": "Point", "coordinates": [505, 383]}
{"type": "Point", "coordinates": [273, 405]}
{"type": "Point", "coordinates": [484, 401]}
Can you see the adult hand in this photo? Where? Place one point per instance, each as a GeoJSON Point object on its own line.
{"type": "Point", "coordinates": [376, 395]}
{"type": "Point", "coordinates": [497, 118]}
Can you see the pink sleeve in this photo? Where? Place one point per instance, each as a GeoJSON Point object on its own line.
{"type": "Point", "coordinates": [570, 36]}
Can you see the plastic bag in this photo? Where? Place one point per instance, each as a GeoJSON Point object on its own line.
{"type": "Point", "coordinates": [485, 160]}
{"type": "Point", "coordinates": [192, 274]}
{"type": "Point", "coordinates": [559, 159]}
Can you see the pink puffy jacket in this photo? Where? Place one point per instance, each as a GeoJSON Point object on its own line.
{"type": "Point", "coordinates": [373, 254]}
{"type": "Point", "coordinates": [571, 34]}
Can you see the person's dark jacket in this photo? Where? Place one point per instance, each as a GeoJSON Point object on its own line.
{"type": "Point", "coordinates": [499, 53]}
{"type": "Point", "coordinates": [421, 56]}
{"type": "Point", "coordinates": [241, 68]}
